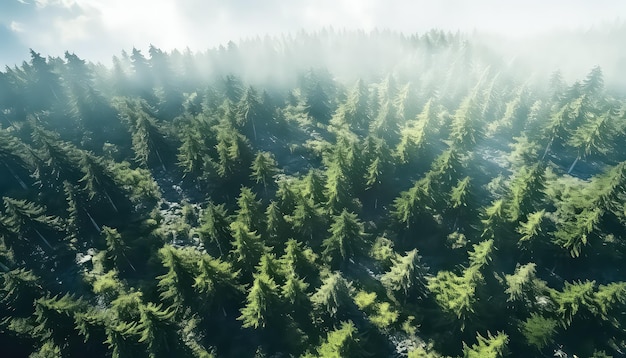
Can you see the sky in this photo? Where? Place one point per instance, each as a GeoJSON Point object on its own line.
{"type": "Point", "coordinates": [98, 29]}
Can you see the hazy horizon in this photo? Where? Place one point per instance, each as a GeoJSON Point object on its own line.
{"type": "Point", "coordinates": [96, 30]}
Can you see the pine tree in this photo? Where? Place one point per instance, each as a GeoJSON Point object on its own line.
{"type": "Point", "coordinates": [15, 157]}
{"type": "Point", "coordinates": [117, 248]}
{"type": "Point", "coordinates": [313, 186]}
{"type": "Point", "coordinates": [277, 228]}
{"type": "Point", "coordinates": [347, 238]}
{"type": "Point", "coordinates": [495, 222]}
{"type": "Point", "coordinates": [98, 177]}
{"type": "Point", "coordinates": [488, 347]}
{"type": "Point", "coordinates": [406, 276]}
{"type": "Point", "coordinates": [337, 189]}
{"type": "Point", "coordinates": [156, 329]}
{"type": "Point", "coordinates": [539, 331]}
{"type": "Point", "coordinates": [410, 204]}
{"type": "Point", "coordinates": [20, 287]}
{"type": "Point", "coordinates": [176, 285]}
{"type": "Point", "coordinates": [215, 227]}
{"type": "Point", "coordinates": [526, 191]}
{"type": "Point", "coordinates": [592, 137]}
{"type": "Point", "coordinates": [306, 219]}
{"type": "Point", "coordinates": [334, 297]}
{"type": "Point", "coordinates": [216, 283]}
{"type": "Point", "coordinates": [523, 285]}
{"type": "Point", "coordinates": [55, 160]}
{"type": "Point", "coordinates": [28, 219]}
{"type": "Point", "coordinates": [249, 110]}
{"type": "Point", "coordinates": [532, 229]}
{"type": "Point", "coordinates": [609, 300]}
{"type": "Point", "coordinates": [576, 299]}
{"type": "Point", "coordinates": [465, 131]}
{"type": "Point", "coordinates": [261, 303]}
{"type": "Point", "coordinates": [263, 168]}
{"type": "Point", "coordinates": [249, 210]}
{"type": "Point", "coordinates": [54, 319]}
{"type": "Point", "coordinates": [192, 156]}
{"type": "Point", "coordinates": [300, 260]}
{"type": "Point", "coordinates": [481, 255]}
{"type": "Point", "coordinates": [343, 342]}
{"type": "Point", "coordinates": [456, 295]}
{"type": "Point", "coordinates": [247, 247]}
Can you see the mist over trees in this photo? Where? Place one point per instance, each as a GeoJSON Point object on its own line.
{"type": "Point", "coordinates": [330, 194]}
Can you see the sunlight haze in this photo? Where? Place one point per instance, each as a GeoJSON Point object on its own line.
{"type": "Point", "coordinates": [98, 28]}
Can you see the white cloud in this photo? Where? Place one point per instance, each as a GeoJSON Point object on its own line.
{"type": "Point", "coordinates": [108, 26]}
{"type": "Point", "coordinates": [17, 26]}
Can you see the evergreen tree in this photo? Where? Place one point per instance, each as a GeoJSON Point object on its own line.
{"type": "Point", "coordinates": [488, 347]}
{"type": "Point", "coordinates": [216, 282]}
{"type": "Point", "coordinates": [407, 276]}
{"type": "Point", "coordinates": [117, 248]}
{"type": "Point", "coordinates": [249, 210]}
{"type": "Point", "coordinates": [263, 168]}
{"type": "Point", "coordinates": [591, 138]}
{"type": "Point", "coordinates": [176, 284]}
{"type": "Point", "coordinates": [306, 218]}
{"type": "Point", "coordinates": [27, 219]}
{"type": "Point", "coordinates": [575, 299]}
{"type": "Point", "coordinates": [247, 247]}
{"type": "Point", "coordinates": [538, 330]}
{"type": "Point", "coordinates": [333, 298]}
{"type": "Point", "coordinates": [342, 342]}
{"type": "Point", "coordinates": [157, 330]}
{"type": "Point", "coordinates": [261, 303]}
{"type": "Point", "coordinates": [215, 227]}
{"type": "Point", "coordinates": [347, 238]}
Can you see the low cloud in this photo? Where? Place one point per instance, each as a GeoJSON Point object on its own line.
{"type": "Point", "coordinates": [16, 26]}
{"type": "Point", "coordinates": [98, 29]}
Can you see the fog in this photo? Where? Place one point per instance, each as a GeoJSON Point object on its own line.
{"type": "Point", "coordinates": [570, 35]}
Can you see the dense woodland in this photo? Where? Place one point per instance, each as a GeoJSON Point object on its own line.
{"type": "Point", "coordinates": [254, 201]}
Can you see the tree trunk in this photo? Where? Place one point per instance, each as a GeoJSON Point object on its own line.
{"type": "Point", "coordinates": [573, 165]}
{"type": "Point", "coordinates": [128, 260]}
{"type": "Point", "coordinates": [111, 201]}
{"type": "Point", "coordinates": [219, 247]}
{"type": "Point", "coordinates": [44, 239]}
{"type": "Point", "coordinates": [93, 222]}
{"type": "Point", "coordinates": [4, 268]}
{"type": "Point", "coordinates": [253, 129]}
{"type": "Point", "coordinates": [547, 149]}
{"type": "Point", "coordinates": [160, 160]}
{"type": "Point", "coordinates": [17, 177]}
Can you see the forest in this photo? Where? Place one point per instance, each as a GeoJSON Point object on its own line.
{"type": "Point", "coordinates": [255, 200]}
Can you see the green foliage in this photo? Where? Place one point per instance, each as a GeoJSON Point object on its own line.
{"type": "Point", "coordinates": [117, 248]}
{"type": "Point", "coordinates": [263, 168]}
{"type": "Point", "coordinates": [531, 230]}
{"type": "Point", "coordinates": [522, 285]}
{"type": "Point", "coordinates": [455, 295]}
{"type": "Point", "coordinates": [488, 347]}
{"type": "Point", "coordinates": [575, 299]}
{"type": "Point", "coordinates": [342, 342]}
{"type": "Point", "coordinates": [155, 329]}
{"type": "Point", "coordinates": [215, 226]}
{"type": "Point", "coordinates": [347, 238]}
{"type": "Point", "coordinates": [439, 147]}
{"type": "Point", "coordinates": [334, 296]}
{"type": "Point", "coordinates": [481, 255]}
{"type": "Point", "coordinates": [249, 210]}
{"type": "Point", "coordinates": [539, 331]}
{"type": "Point", "coordinates": [261, 302]}
{"type": "Point", "coordinates": [406, 276]}
{"type": "Point", "coordinates": [247, 247]}
{"type": "Point", "coordinates": [47, 350]}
